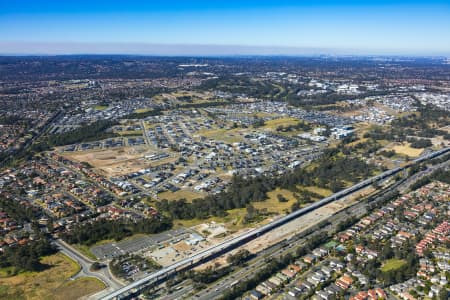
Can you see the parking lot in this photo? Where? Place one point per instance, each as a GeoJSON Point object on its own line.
{"type": "Point", "coordinates": [133, 245]}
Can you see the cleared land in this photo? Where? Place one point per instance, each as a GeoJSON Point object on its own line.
{"type": "Point", "coordinates": [180, 194]}
{"type": "Point", "coordinates": [233, 220]}
{"type": "Point", "coordinates": [406, 149]}
{"type": "Point", "coordinates": [116, 162]}
{"type": "Point", "coordinates": [78, 288]}
{"type": "Point", "coordinates": [318, 190]}
{"type": "Point", "coordinates": [226, 135]}
{"type": "Point", "coordinates": [52, 283]}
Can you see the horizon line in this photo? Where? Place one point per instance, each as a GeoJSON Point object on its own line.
{"type": "Point", "coordinates": [24, 48]}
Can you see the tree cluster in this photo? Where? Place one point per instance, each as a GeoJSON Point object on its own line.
{"type": "Point", "coordinates": [420, 143]}
{"type": "Point", "coordinates": [240, 193]}
{"type": "Point", "coordinates": [91, 132]}
{"type": "Point", "coordinates": [26, 257]}
{"type": "Point", "coordinates": [331, 171]}
{"type": "Point", "coordinates": [91, 232]}
{"type": "Point", "coordinates": [239, 258]}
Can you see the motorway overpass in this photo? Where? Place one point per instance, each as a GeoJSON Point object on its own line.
{"type": "Point", "coordinates": [135, 288]}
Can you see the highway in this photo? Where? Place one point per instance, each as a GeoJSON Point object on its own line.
{"type": "Point", "coordinates": [288, 246]}
{"type": "Point", "coordinates": [357, 210]}
{"type": "Point", "coordinates": [135, 288]}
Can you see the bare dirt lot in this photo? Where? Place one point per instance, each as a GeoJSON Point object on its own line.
{"type": "Point", "coordinates": [118, 161]}
{"type": "Point", "coordinates": [406, 149]}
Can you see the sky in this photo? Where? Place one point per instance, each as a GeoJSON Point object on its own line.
{"type": "Point", "coordinates": [225, 27]}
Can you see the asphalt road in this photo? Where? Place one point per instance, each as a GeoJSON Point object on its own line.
{"type": "Point", "coordinates": [85, 263]}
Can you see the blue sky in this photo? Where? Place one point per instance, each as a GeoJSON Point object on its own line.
{"type": "Point", "coordinates": [290, 27]}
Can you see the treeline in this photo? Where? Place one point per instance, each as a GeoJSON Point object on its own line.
{"type": "Point", "coordinates": [86, 133]}
{"type": "Point", "coordinates": [144, 114]}
{"type": "Point", "coordinates": [208, 275]}
{"type": "Point", "coordinates": [26, 257]}
{"type": "Point", "coordinates": [91, 132]}
{"type": "Point", "coordinates": [332, 171]}
{"type": "Point", "coordinates": [90, 233]}
{"type": "Point", "coordinates": [242, 85]}
{"type": "Point", "coordinates": [440, 175]}
{"type": "Point", "coordinates": [204, 104]}
{"type": "Point", "coordinates": [427, 114]}
{"type": "Point", "coordinates": [120, 93]}
{"type": "Point", "coordinates": [366, 147]}
{"type": "Point", "coordinates": [326, 99]}
{"type": "Point", "coordinates": [299, 126]}
{"type": "Point", "coordinates": [420, 143]}
{"type": "Point", "coordinates": [439, 160]}
{"type": "Point", "coordinates": [240, 192]}
{"type": "Point", "coordinates": [387, 153]}
{"type": "Point", "coordinates": [421, 124]}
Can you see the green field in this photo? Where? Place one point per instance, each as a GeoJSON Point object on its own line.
{"type": "Point", "coordinates": [233, 220]}
{"type": "Point", "coordinates": [392, 264]}
{"type": "Point", "coordinates": [180, 194]}
{"type": "Point", "coordinates": [141, 110]}
{"type": "Point", "coordinates": [78, 288]}
{"type": "Point", "coordinates": [406, 149]}
{"type": "Point", "coordinates": [318, 190]}
{"type": "Point", "coordinates": [226, 135]}
{"type": "Point", "coordinates": [275, 123]}
{"type": "Point", "coordinates": [101, 107]}
{"type": "Point", "coordinates": [52, 283]}
{"type": "Point", "coordinates": [272, 204]}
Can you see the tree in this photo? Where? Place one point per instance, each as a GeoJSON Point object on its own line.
{"type": "Point", "coordinates": [96, 266]}
{"type": "Point", "coordinates": [239, 258]}
{"type": "Point", "coordinates": [281, 198]}
{"type": "Point", "coordinates": [443, 294]}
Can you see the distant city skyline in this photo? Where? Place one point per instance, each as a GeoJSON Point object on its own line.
{"type": "Point", "coordinates": [225, 27]}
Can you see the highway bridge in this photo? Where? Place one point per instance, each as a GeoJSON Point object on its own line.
{"type": "Point", "coordinates": [135, 288]}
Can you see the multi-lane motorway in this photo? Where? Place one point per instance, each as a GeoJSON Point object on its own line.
{"type": "Point", "coordinates": [288, 246]}
{"type": "Point", "coordinates": [136, 287]}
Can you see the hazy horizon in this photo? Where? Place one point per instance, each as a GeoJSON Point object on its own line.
{"type": "Point", "coordinates": [143, 49]}
{"type": "Point", "coordinates": [200, 27]}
